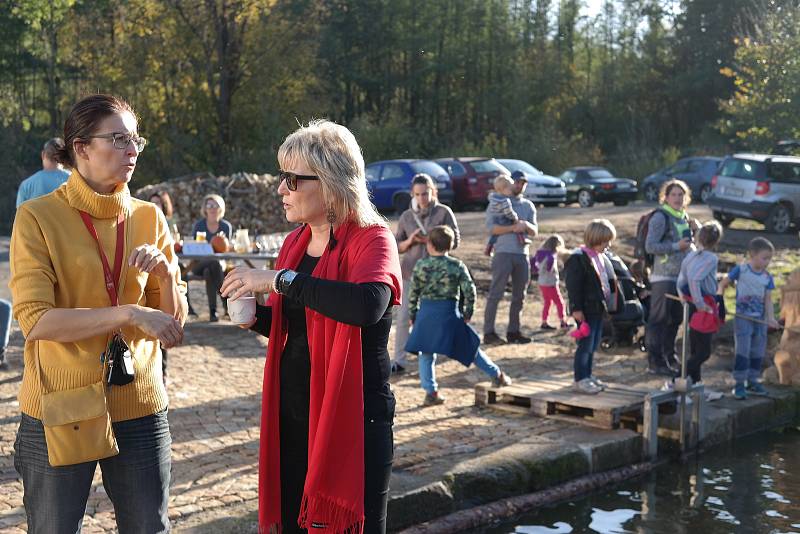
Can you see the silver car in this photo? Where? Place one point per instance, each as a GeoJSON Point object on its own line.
{"type": "Point", "coordinates": [541, 188]}
{"type": "Point", "coordinates": [758, 187]}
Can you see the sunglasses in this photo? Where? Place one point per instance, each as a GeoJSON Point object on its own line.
{"type": "Point", "coordinates": [291, 179]}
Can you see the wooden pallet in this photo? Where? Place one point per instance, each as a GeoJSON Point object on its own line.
{"type": "Point", "coordinates": [554, 398]}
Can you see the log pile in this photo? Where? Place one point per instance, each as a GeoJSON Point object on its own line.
{"type": "Point", "coordinates": [251, 200]}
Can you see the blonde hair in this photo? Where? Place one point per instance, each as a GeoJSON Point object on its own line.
{"type": "Point", "coordinates": [599, 231]}
{"type": "Point", "coordinates": [216, 198]}
{"type": "Point", "coordinates": [503, 181]}
{"type": "Point", "coordinates": [332, 153]}
{"type": "Point", "coordinates": [667, 186]}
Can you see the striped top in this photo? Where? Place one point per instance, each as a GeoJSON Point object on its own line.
{"type": "Point", "coordinates": [698, 275]}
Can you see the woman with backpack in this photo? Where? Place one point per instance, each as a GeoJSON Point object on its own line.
{"type": "Point", "coordinates": [668, 241]}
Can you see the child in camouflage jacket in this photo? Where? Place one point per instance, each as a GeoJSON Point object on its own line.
{"type": "Point", "coordinates": [440, 304]}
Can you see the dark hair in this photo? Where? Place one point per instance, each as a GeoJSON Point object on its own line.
{"type": "Point", "coordinates": [423, 179]}
{"type": "Point", "coordinates": [442, 238]}
{"type": "Point", "coordinates": [166, 202]}
{"type": "Point", "coordinates": [83, 119]}
{"type": "Point", "coordinates": [709, 234]}
{"type": "Point", "coordinates": [51, 147]}
{"type": "Point", "coordinates": [553, 243]}
{"type": "Point", "coordinates": [760, 244]}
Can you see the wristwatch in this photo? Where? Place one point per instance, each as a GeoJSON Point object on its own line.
{"type": "Point", "coordinates": [285, 279]}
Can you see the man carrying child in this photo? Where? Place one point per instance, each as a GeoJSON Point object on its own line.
{"type": "Point", "coordinates": [510, 258]}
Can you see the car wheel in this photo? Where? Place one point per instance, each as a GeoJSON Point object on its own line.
{"type": "Point", "coordinates": [585, 198]}
{"type": "Point", "coordinates": [400, 202]}
{"type": "Point", "coordinates": [620, 202]}
{"type": "Point", "coordinates": [705, 192]}
{"type": "Point", "coordinates": [723, 218]}
{"type": "Point", "coordinates": [779, 219]}
{"type": "Point", "coordinates": [651, 193]}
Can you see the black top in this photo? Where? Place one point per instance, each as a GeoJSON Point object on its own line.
{"type": "Point", "coordinates": [584, 290]}
{"type": "Point", "coordinates": [367, 305]}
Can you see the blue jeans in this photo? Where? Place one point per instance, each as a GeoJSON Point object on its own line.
{"type": "Point", "coordinates": [5, 324]}
{"type": "Point", "coordinates": [427, 369]}
{"type": "Point", "coordinates": [751, 345]}
{"type": "Point", "coordinates": [584, 353]}
{"type": "Point", "coordinates": [136, 480]}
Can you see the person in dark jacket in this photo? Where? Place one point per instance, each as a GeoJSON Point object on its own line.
{"type": "Point", "coordinates": [591, 290]}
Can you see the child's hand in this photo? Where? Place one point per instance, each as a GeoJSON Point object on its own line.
{"type": "Point", "coordinates": [578, 316]}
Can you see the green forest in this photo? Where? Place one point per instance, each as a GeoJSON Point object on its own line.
{"type": "Point", "coordinates": [218, 84]}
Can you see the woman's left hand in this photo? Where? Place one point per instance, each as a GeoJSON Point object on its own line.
{"type": "Point", "coordinates": [244, 280]}
{"type": "Point", "coordinates": [150, 259]}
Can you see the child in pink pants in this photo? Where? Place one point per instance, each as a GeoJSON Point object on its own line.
{"type": "Point", "coordinates": [545, 262]}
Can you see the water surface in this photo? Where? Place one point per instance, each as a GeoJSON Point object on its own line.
{"type": "Point", "coordinates": [751, 486]}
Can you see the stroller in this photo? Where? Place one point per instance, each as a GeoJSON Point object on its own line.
{"type": "Point", "coordinates": [623, 327]}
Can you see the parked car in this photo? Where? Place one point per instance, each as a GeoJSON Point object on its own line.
{"type": "Point", "coordinates": [541, 189]}
{"type": "Point", "coordinates": [389, 182]}
{"type": "Point", "coordinates": [587, 185]}
{"type": "Point", "coordinates": [472, 178]}
{"type": "Point", "coordinates": [696, 172]}
{"type": "Point", "coordinates": [758, 187]}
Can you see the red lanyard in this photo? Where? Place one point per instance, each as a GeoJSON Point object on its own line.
{"type": "Point", "coordinates": [112, 281]}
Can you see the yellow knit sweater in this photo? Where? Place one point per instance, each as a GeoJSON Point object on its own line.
{"type": "Point", "coordinates": [55, 264]}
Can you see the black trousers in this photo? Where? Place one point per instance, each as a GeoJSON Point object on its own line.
{"type": "Point", "coordinates": [378, 457]}
{"type": "Point", "coordinates": [663, 322]}
{"type": "Point", "coordinates": [700, 349]}
{"type": "Point", "coordinates": [211, 271]}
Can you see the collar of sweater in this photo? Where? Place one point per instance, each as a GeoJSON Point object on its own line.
{"type": "Point", "coordinates": [672, 211]}
{"type": "Point", "coordinates": [82, 197]}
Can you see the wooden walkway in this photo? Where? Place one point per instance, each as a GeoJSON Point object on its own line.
{"type": "Point", "coordinates": [555, 398]}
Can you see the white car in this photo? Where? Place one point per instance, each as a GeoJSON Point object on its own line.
{"type": "Point", "coordinates": [541, 189]}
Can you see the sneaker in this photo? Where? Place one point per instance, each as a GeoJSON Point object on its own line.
{"type": "Point", "coordinates": [212, 318]}
{"type": "Point", "coordinates": [516, 337]}
{"type": "Point", "coordinates": [661, 370]}
{"type": "Point", "coordinates": [669, 385]}
{"type": "Point", "coordinates": [502, 380]}
{"type": "Point", "coordinates": [493, 339]}
{"type": "Point", "coordinates": [739, 391]}
{"type": "Point", "coordinates": [397, 369]}
{"type": "Point", "coordinates": [565, 325]}
{"type": "Point", "coordinates": [757, 388]}
{"type": "Point", "coordinates": [192, 313]}
{"type": "Point", "coordinates": [433, 399]}
{"type": "Point", "coordinates": [597, 382]}
{"type": "Point", "coordinates": [586, 386]}
{"type": "Point", "coordinates": [546, 326]}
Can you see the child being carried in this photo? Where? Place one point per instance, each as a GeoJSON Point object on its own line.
{"type": "Point", "coordinates": [502, 210]}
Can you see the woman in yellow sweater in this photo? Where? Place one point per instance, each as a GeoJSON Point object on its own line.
{"type": "Point", "coordinates": [64, 308]}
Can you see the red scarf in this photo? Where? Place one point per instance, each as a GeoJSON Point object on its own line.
{"type": "Point", "coordinates": [333, 495]}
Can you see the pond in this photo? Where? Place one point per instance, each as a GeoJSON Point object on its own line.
{"type": "Point", "coordinates": [751, 486]}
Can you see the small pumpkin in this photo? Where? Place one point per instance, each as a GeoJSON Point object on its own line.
{"type": "Point", "coordinates": [220, 243]}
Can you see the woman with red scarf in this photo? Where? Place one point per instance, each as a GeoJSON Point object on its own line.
{"type": "Point", "coordinates": [326, 425]}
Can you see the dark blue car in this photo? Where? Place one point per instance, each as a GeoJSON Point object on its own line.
{"type": "Point", "coordinates": [696, 172]}
{"type": "Point", "coordinates": [389, 182]}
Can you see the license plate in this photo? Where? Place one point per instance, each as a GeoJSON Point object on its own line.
{"type": "Point", "coordinates": [623, 186]}
{"type": "Point", "coordinates": [734, 191]}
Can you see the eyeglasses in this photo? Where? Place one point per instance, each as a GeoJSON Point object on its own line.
{"type": "Point", "coordinates": [122, 140]}
{"type": "Point", "coordinates": [291, 179]}
{"type": "Point", "coordinates": [211, 206]}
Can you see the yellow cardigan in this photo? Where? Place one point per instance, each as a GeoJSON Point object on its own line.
{"type": "Point", "coordinates": [55, 264]}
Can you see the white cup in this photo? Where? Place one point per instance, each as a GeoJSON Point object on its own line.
{"type": "Point", "coordinates": [242, 310]}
